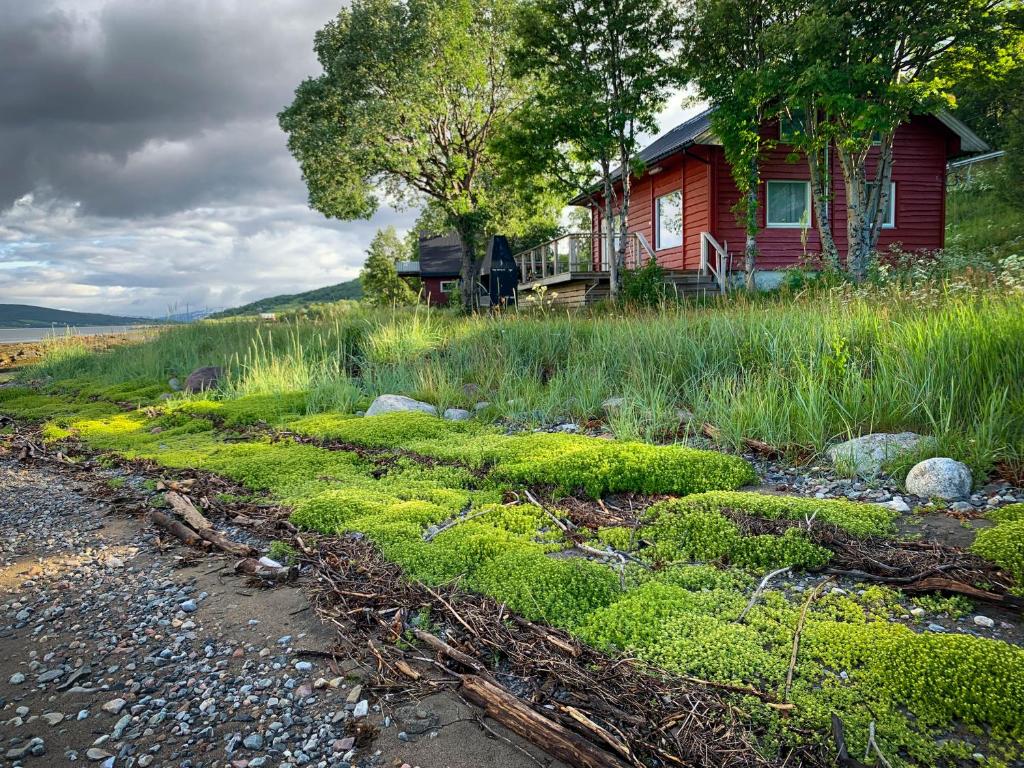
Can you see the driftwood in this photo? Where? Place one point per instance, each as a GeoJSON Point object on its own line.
{"type": "Point", "coordinates": [796, 636]}
{"type": "Point", "coordinates": [439, 645]}
{"type": "Point", "coordinates": [843, 758]}
{"type": "Point", "coordinates": [177, 529]}
{"type": "Point", "coordinates": [757, 446]}
{"type": "Point", "coordinates": [187, 511]}
{"type": "Point", "coordinates": [254, 567]}
{"type": "Point", "coordinates": [221, 542]}
{"type": "Point", "coordinates": [553, 738]}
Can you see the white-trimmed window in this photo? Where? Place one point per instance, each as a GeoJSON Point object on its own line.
{"type": "Point", "coordinates": [889, 221]}
{"type": "Point", "coordinates": [788, 203]}
{"type": "Point", "coordinates": [447, 286]}
{"type": "Point", "coordinates": [668, 221]}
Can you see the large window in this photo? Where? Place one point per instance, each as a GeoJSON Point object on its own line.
{"type": "Point", "coordinates": [449, 286]}
{"type": "Point", "coordinates": [668, 221]}
{"type": "Point", "coordinates": [789, 203]}
{"type": "Point", "coordinates": [890, 211]}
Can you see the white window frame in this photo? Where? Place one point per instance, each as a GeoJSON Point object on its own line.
{"type": "Point", "coordinates": [447, 286]}
{"type": "Point", "coordinates": [657, 222]}
{"type": "Point", "coordinates": [892, 205]}
{"type": "Point", "coordinates": [768, 223]}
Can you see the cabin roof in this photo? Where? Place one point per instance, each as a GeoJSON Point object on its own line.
{"type": "Point", "coordinates": [697, 130]}
{"type": "Point", "coordinates": [440, 255]}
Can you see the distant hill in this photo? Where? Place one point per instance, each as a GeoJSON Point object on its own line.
{"type": "Point", "coordinates": [350, 290]}
{"type": "Point", "coordinates": [27, 316]}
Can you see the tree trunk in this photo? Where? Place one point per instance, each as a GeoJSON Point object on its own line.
{"type": "Point", "coordinates": [609, 244]}
{"type": "Point", "coordinates": [467, 230]}
{"type": "Point", "coordinates": [865, 207]}
{"type": "Point", "coordinates": [620, 252]}
{"type": "Point", "coordinates": [821, 193]}
{"type": "Point", "coordinates": [750, 252]}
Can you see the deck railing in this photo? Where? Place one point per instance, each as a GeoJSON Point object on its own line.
{"type": "Point", "coordinates": [579, 253]}
{"type": "Point", "coordinates": [715, 259]}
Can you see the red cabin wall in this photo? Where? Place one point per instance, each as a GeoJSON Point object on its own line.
{"type": "Point", "coordinates": [920, 150]}
{"type": "Point", "coordinates": [432, 290]}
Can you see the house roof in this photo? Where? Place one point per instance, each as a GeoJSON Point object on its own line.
{"type": "Point", "coordinates": [441, 255]}
{"type": "Point", "coordinates": [697, 130]}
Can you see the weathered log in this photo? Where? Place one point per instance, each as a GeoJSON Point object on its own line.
{"type": "Point", "coordinates": [550, 736]}
{"type": "Point", "coordinates": [187, 511]}
{"type": "Point", "coordinates": [176, 528]}
{"type": "Point", "coordinates": [223, 543]}
{"type": "Point", "coordinates": [454, 654]}
{"type": "Point", "coordinates": [757, 446]}
{"type": "Point", "coordinates": [254, 567]}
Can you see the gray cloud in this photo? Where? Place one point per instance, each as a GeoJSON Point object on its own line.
{"type": "Point", "coordinates": [142, 165]}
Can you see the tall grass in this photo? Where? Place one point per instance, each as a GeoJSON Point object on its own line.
{"type": "Point", "coordinates": [798, 373]}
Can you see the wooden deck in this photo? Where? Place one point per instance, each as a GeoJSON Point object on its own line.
{"type": "Point", "coordinates": [582, 289]}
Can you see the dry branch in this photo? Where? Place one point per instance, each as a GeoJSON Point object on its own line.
{"type": "Point", "coordinates": [186, 510]}
{"type": "Point", "coordinates": [547, 734]}
{"type": "Point", "coordinates": [177, 529]}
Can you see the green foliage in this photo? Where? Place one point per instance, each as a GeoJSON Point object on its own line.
{"type": "Point", "coordinates": [559, 591]}
{"type": "Point", "coordinates": [396, 77]}
{"type": "Point", "coordinates": [379, 277]}
{"type": "Point", "coordinates": [1004, 545]}
{"type": "Point", "coordinates": [283, 552]}
{"type": "Point", "coordinates": [644, 287]}
{"type": "Point", "coordinates": [955, 606]}
{"type": "Point", "coordinates": [687, 533]}
{"type": "Point", "coordinates": [1008, 514]}
{"type": "Point", "coordinates": [853, 517]}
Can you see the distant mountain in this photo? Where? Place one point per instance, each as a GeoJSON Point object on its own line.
{"type": "Point", "coordinates": [350, 290]}
{"type": "Point", "coordinates": [27, 316]}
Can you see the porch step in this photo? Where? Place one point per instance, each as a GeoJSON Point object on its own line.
{"type": "Point", "coordinates": [691, 283]}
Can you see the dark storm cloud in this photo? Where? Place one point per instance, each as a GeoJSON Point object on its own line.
{"type": "Point", "coordinates": [141, 165]}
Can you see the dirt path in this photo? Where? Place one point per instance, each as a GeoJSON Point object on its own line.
{"type": "Point", "coordinates": [114, 652]}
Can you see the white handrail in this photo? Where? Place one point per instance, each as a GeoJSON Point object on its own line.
{"type": "Point", "coordinates": [719, 269]}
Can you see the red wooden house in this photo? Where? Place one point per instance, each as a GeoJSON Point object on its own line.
{"type": "Point", "coordinates": [682, 210]}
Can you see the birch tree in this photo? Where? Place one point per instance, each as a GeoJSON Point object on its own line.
{"type": "Point", "coordinates": [602, 69]}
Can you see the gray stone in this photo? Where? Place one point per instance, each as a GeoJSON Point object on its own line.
{"type": "Point", "coordinates": [897, 504]}
{"type": "Point", "coordinates": [174, 384]}
{"type": "Point", "coordinates": [53, 718]}
{"type": "Point", "coordinates": [613, 404]}
{"type": "Point", "coordinates": [189, 606]}
{"type": "Point", "coordinates": [202, 379]}
{"type": "Point", "coordinates": [398, 404]}
{"type": "Point", "coordinates": [114, 706]}
{"type": "Point", "coordinates": [34, 746]}
{"type": "Point", "coordinates": [362, 709]}
{"type": "Point", "coordinates": [96, 754]}
{"type": "Point", "coordinates": [17, 678]}
{"type": "Point", "coordinates": [940, 478]}
{"type": "Point", "coordinates": [481, 405]}
{"type": "Point", "coordinates": [984, 621]}
{"type": "Point", "coordinates": [457, 414]}
{"type": "Point", "coordinates": [865, 455]}
{"type": "Point", "coordinates": [253, 741]}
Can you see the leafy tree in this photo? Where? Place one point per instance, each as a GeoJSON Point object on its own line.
{"type": "Point", "coordinates": [411, 94]}
{"type": "Point", "coordinates": [601, 70]}
{"type": "Point", "coordinates": [379, 277]}
{"type": "Point", "coordinates": [864, 67]}
{"type": "Point", "coordinates": [731, 53]}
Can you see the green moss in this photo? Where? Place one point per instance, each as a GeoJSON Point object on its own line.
{"type": "Point", "coordinates": [856, 518]}
{"type": "Point", "coordinates": [559, 591]}
{"type": "Point", "coordinates": [686, 532]}
{"type": "Point", "coordinates": [954, 607]}
{"type": "Point", "coordinates": [618, 537]}
{"type": "Point", "coordinates": [251, 409]}
{"type": "Point", "coordinates": [1008, 514]}
{"type": "Point", "coordinates": [1004, 546]}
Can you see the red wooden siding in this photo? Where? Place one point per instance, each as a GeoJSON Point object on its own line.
{"type": "Point", "coordinates": [432, 290]}
{"type": "Point", "coordinates": [920, 151]}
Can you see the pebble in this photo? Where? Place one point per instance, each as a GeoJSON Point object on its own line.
{"type": "Point", "coordinates": [361, 709]}
{"type": "Point", "coordinates": [17, 678]}
{"type": "Point", "coordinates": [114, 706]}
{"type": "Point", "coordinates": [984, 621]}
{"type": "Point", "coordinates": [253, 741]}
{"type": "Point", "coordinates": [189, 606]}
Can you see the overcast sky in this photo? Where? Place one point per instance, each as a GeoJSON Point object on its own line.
{"type": "Point", "coordinates": [141, 165]}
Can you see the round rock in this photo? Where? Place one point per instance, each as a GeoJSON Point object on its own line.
{"type": "Point", "coordinates": [940, 478]}
{"type": "Point", "coordinates": [397, 404]}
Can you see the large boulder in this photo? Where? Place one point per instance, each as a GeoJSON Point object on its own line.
{"type": "Point", "coordinates": [865, 455]}
{"type": "Point", "coordinates": [940, 478]}
{"type": "Point", "coordinates": [397, 404]}
{"type": "Point", "coordinates": [202, 379]}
